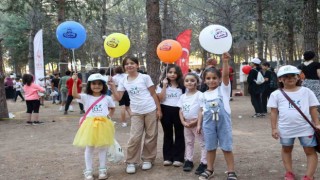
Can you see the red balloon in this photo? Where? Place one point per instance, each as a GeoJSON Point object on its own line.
{"type": "Point", "coordinates": [246, 69]}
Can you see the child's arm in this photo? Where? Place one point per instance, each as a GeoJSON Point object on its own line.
{"type": "Point", "coordinates": [116, 94]}
{"type": "Point", "coordinates": [225, 68]}
{"type": "Point", "coordinates": [74, 86]}
{"type": "Point", "coordinates": [156, 100]}
{"type": "Point", "coordinates": [111, 111]}
{"type": "Point", "coordinates": [183, 122]}
{"type": "Point", "coordinates": [162, 94]}
{"type": "Point", "coordinates": [274, 120]}
{"type": "Point", "coordinates": [314, 116]}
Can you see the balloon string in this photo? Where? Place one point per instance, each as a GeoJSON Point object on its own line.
{"type": "Point", "coordinates": [166, 71]}
{"type": "Point", "coordinates": [111, 65]}
{"type": "Point", "coordinates": [73, 61]}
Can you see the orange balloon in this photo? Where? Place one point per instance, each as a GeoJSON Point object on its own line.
{"type": "Point", "coordinates": [169, 51]}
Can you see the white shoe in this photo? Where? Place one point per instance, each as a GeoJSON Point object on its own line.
{"type": "Point", "coordinates": [124, 124]}
{"type": "Point", "coordinates": [167, 163]}
{"type": "Point", "coordinates": [103, 173]}
{"type": "Point", "coordinates": [88, 175]}
{"type": "Point", "coordinates": [177, 163]}
{"type": "Point", "coordinates": [146, 165]}
{"type": "Point", "coordinates": [131, 169]}
{"type": "Point", "coordinates": [61, 108]}
{"type": "Point", "coordinates": [71, 108]}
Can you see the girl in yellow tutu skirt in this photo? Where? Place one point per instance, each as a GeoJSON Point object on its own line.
{"type": "Point", "coordinates": [96, 129]}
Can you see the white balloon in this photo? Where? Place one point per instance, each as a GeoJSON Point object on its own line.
{"type": "Point", "coordinates": [216, 39]}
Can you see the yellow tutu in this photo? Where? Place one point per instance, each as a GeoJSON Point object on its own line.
{"type": "Point", "coordinates": [95, 131]}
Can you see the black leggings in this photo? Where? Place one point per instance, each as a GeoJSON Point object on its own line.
{"type": "Point", "coordinates": [33, 106]}
{"type": "Point", "coordinates": [69, 100]}
{"type": "Point", "coordinates": [18, 93]}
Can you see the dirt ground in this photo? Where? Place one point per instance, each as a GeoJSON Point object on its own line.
{"type": "Point", "coordinates": [46, 151]}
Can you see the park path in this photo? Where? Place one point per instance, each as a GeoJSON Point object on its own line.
{"type": "Point", "coordinates": [46, 151]}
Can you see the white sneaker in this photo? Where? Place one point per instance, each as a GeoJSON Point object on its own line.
{"type": "Point", "coordinates": [167, 163]}
{"type": "Point", "coordinates": [88, 175]}
{"type": "Point", "coordinates": [146, 165]}
{"type": "Point", "coordinates": [103, 173]}
{"type": "Point", "coordinates": [124, 124]}
{"type": "Point", "coordinates": [61, 108]}
{"type": "Point", "coordinates": [131, 169]}
{"type": "Point", "coordinates": [71, 108]}
{"type": "Point", "coordinates": [177, 163]}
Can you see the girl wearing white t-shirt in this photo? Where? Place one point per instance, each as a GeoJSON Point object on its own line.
{"type": "Point", "coordinates": [169, 91]}
{"type": "Point", "coordinates": [287, 123]}
{"type": "Point", "coordinates": [216, 123]}
{"type": "Point", "coordinates": [190, 114]}
{"type": "Point", "coordinates": [145, 111]}
{"type": "Point", "coordinates": [97, 129]}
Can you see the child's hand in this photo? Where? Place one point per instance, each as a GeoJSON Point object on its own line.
{"type": "Point", "coordinates": [165, 82]}
{"type": "Point", "coordinates": [199, 129]}
{"type": "Point", "coordinates": [185, 124]}
{"type": "Point", "coordinates": [225, 57]}
{"type": "Point", "coordinates": [75, 76]}
{"type": "Point", "coordinates": [159, 114]}
{"type": "Point", "coordinates": [110, 81]}
{"type": "Point", "coordinates": [275, 133]}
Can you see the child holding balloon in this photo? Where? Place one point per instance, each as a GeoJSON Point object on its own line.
{"type": "Point", "coordinates": [146, 110]}
{"type": "Point", "coordinates": [169, 91]}
{"type": "Point", "coordinates": [216, 123]}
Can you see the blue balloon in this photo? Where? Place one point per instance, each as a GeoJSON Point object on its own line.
{"type": "Point", "coordinates": [71, 34]}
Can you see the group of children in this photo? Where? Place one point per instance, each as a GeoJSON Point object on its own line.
{"type": "Point", "coordinates": [185, 114]}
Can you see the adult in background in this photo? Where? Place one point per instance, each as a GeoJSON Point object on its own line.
{"type": "Point", "coordinates": [311, 71]}
{"type": "Point", "coordinates": [70, 97]}
{"type": "Point", "coordinates": [18, 88]}
{"type": "Point", "coordinates": [55, 87]}
{"type": "Point", "coordinates": [8, 85]}
{"type": "Point", "coordinates": [254, 89]}
{"type": "Point", "coordinates": [63, 90]}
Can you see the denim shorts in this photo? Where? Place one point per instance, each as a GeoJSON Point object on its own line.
{"type": "Point", "coordinates": [305, 141]}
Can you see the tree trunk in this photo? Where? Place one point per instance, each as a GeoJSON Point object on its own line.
{"type": "Point", "coordinates": [31, 53]}
{"type": "Point", "coordinates": [104, 18]}
{"type": "Point", "coordinates": [154, 38]}
{"type": "Point", "coordinates": [290, 41]}
{"type": "Point", "coordinates": [3, 102]}
{"type": "Point", "coordinates": [62, 51]}
{"type": "Point", "coordinates": [259, 29]}
{"type": "Point", "coordinates": [310, 22]}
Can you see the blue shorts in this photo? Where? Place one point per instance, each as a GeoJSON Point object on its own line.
{"type": "Point", "coordinates": [306, 141]}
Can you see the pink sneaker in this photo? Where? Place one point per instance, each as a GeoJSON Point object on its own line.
{"type": "Point", "coordinates": [306, 178]}
{"type": "Point", "coordinates": [289, 176]}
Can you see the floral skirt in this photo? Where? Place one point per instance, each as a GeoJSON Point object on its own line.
{"type": "Point", "coordinates": [95, 131]}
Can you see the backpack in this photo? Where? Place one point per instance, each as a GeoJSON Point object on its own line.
{"type": "Point", "coordinates": [260, 78]}
{"type": "Point", "coordinates": [273, 81]}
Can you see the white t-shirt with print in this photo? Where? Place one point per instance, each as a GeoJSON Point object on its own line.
{"type": "Point", "coordinates": [190, 104]}
{"type": "Point", "coordinates": [290, 123]}
{"type": "Point", "coordinates": [141, 101]}
{"type": "Point", "coordinates": [225, 92]}
{"type": "Point", "coordinates": [100, 109]}
{"type": "Point", "coordinates": [172, 96]}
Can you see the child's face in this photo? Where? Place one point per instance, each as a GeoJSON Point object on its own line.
{"type": "Point", "coordinates": [172, 74]}
{"type": "Point", "coordinates": [96, 86]}
{"type": "Point", "coordinates": [212, 80]}
{"type": "Point", "coordinates": [130, 66]}
{"type": "Point", "coordinates": [190, 82]}
{"type": "Point", "coordinates": [289, 79]}
{"type": "Point", "coordinates": [264, 67]}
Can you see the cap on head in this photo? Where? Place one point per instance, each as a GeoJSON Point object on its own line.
{"type": "Point", "coordinates": [287, 69]}
{"type": "Point", "coordinates": [308, 55]}
{"type": "Point", "coordinates": [256, 61]}
{"type": "Point", "coordinates": [97, 76]}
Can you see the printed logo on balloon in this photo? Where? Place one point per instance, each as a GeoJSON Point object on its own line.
{"type": "Point", "coordinates": [169, 51]}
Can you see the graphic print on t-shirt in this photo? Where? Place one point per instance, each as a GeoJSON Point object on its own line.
{"type": "Point", "coordinates": [97, 108]}
{"type": "Point", "coordinates": [134, 90]}
{"type": "Point", "coordinates": [186, 108]}
{"type": "Point", "coordinates": [172, 95]}
{"type": "Point", "coordinates": [297, 102]}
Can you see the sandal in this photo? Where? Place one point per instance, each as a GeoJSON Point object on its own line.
{"type": "Point", "coordinates": [206, 174]}
{"type": "Point", "coordinates": [232, 176]}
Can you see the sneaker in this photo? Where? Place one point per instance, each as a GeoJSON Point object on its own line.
{"type": "Point", "coordinates": [88, 175]}
{"type": "Point", "coordinates": [188, 165]}
{"type": "Point", "coordinates": [124, 124]}
{"type": "Point", "coordinates": [65, 113]}
{"type": "Point", "coordinates": [200, 169]}
{"type": "Point", "coordinates": [177, 164]}
{"type": "Point", "coordinates": [167, 163]}
{"type": "Point", "coordinates": [289, 176]}
{"type": "Point", "coordinates": [103, 173]}
{"type": "Point", "coordinates": [71, 108]}
{"type": "Point", "coordinates": [37, 122]}
{"type": "Point", "coordinates": [61, 108]}
{"type": "Point", "coordinates": [306, 178]}
{"type": "Point", "coordinates": [131, 169]}
{"type": "Point", "coordinates": [29, 123]}
{"type": "Point", "coordinates": [232, 176]}
{"type": "Point", "coordinates": [146, 165]}
{"type": "Point", "coordinates": [82, 112]}
{"type": "Point", "coordinates": [255, 115]}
